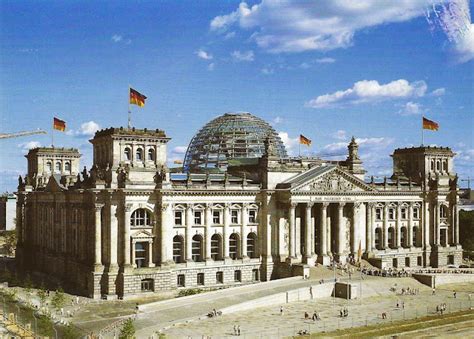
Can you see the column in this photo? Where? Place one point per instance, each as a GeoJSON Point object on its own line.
{"type": "Point", "coordinates": [426, 225]}
{"type": "Point", "coordinates": [437, 222]}
{"type": "Point", "coordinates": [329, 234]}
{"type": "Point", "coordinates": [398, 227]}
{"type": "Point", "coordinates": [308, 230]}
{"type": "Point", "coordinates": [341, 232]}
{"type": "Point", "coordinates": [456, 224]}
{"type": "Point", "coordinates": [166, 242]}
{"type": "Point", "coordinates": [243, 232]}
{"type": "Point", "coordinates": [133, 252]}
{"type": "Point", "coordinates": [292, 233]}
{"type": "Point", "coordinates": [113, 235]}
{"type": "Point", "coordinates": [385, 227]}
{"type": "Point", "coordinates": [208, 231]}
{"type": "Point", "coordinates": [150, 254]}
{"type": "Point", "coordinates": [323, 229]}
{"type": "Point", "coordinates": [368, 228]}
{"type": "Point", "coordinates": [410, 226]}
{"type": "Point", "coordinates": [225, 240]}
{"type": "Point", "coordinates": [355, 228]}
{"type": "Point", "coordinates": [126, 234]}
{"type": "Point", "coordinates": [189, 236]}
{"type": "Point", "coordinates": [98, 235]}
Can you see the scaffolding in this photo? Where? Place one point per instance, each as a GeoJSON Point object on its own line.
{"type": "Point", "coordinates": [231, 136]}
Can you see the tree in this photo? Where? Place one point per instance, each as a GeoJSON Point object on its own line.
{"type": "Point", "coordinates": [70, 333]}
{"type": "Point", "coordinates": [10, 242]}
{"type": "Point", "coordinates": [28, 284]}
{"type": "Point", "coordinates": [466, 230]}
{"type": "Point", "coordinates": [59, 299]}
{"type": "Point", "coordinates": [128, 330]}
{"type": "Point", "coordinates": [42, 295]}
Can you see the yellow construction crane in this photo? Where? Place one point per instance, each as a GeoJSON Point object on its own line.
{"type": "Point", "coordinates": [20, 134]}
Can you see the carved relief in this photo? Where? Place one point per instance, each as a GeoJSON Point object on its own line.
{"type": "Point", "coordinates": [331, 183]}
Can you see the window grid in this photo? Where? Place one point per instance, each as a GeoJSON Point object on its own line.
{"type": "Point", "coordinates": [216, 217]}
{"type": "Point", "coordinates": [234, 214]}
{"type": "Point", "coordinates": [196, 248]}
{"type": "Point", "coordinates": [141, 217]}
{"type": "Point", "coordinates": [233, 246]}
{"type": "Point", "coordinates": [252, 216]}
{"type": "Point", "coordinates": [197, 218]}
{"type": "Point", "coordinates": [178, 217]}
{"type": "Point", "coordinates": [178, 249]}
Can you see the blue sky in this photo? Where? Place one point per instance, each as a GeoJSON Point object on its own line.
{"type": "Point", "coordinates": [328, 70]}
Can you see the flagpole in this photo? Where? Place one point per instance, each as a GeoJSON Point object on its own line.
{"type": "Point", "coordinates": [422, 133]}
{"type": "Point", "coordinates": [129, 110]}
{"type": "Point", "coordinates": [52, 135]}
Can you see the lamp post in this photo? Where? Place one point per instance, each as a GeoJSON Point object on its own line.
{"type": "Point", "coordinates": [36, 323]}
{"type": "Point", "coordinates": [55, 331]}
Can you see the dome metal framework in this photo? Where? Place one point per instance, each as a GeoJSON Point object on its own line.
{"type": "Point", "coordinates": [231, 136]}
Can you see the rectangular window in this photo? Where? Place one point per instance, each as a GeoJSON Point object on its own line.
{"type": "Point", "coordinates": [391, 213]}
{"type": "Point", "coordinates": [252, 216]}
{"type": "Point", "coordinates": [178, 217]}
{"type": "Point", "coordinates": [220, 277]}
{"type": "Point", "coordinates": [416, 213]}
{"type": "Point", "coordinates": [141, 254]}
{"type": "Point", "coordinates": [147, 285]}
{"type": "Point", "coordinates": [216, 217]}
{"type": "Point", "coordinates": [234, 216]}
{"type": "Point", "coordinates": [238, 276]}
{"type": "Point", "coordinates": [181, 280]}
{"type": "Point", "coordinates": [197, 218]}
{"type": "Point", "coordinates": [200, 279]}
{"type": "Point", "coordinates": [404, 213]}
{"type": "Point", "coordinates": [255, 274]}
{"type": "Point", "coordinates": [378, 214]}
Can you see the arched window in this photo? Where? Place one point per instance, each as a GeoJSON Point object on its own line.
{"type": "Point", "coordinates": [415, 236]}
{"type": "Point", "coordinates": [445, 166]}
{"type": "Point", "coordinates": [438, 166]}
{"type": "Point", "coordinates": [49, 166]}
{"type": "Point", "coordinates": [234, 246]}
{"type": "Point", "coordinates": [197, 248]}
{"type": "Point", "coordinates": [432, 165]}
{"type": "Point", "coordinates": [141, 217]}
{"type": "Point", "coordinates": [252, 245]}
{"type": "Point", "coordinates": [404, 237]}
{"type": "Point", "coordinates": [127, 153]}
{"type": "Point", "coordinates": [151, 154]}
{"type": "Point", "coordinates": [139, 154]}
{"type": "Point", "coordinates": [378, 238]}
{"type": "Point", "coordinates": [58, 167]}
{"type": "Point", "coordinates": [178, 249]}
{"type": "Point", "coordinates": [140, 254]}
{"type": "Point", "coordinates": [67, 167]}
{"type": "Point", "coordinates": [391, 237]}
{"type": "Point", "coordinates": [216, 247]}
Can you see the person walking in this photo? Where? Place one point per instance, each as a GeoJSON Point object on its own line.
{"type": "Point", "coordinates": [238, 330]}
{"type": "Point", "coordinates": [454, 294]}
{"type": "Point", "coordinates": [311, 291]}
{"type": "Point", "coordinates": [281, 310]}
{"type": "Point", "coordinates": [433, 292]}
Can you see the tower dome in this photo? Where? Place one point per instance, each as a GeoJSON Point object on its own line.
{"type": "Point", "coordinates": [232, 136]}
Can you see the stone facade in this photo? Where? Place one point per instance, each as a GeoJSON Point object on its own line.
{"type": "Point", "coordinates": [129, 226]}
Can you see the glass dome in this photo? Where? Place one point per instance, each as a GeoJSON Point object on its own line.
{"type": "Point", "coordinates": [230, 136]}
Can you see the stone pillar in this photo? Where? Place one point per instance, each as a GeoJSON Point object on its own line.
{"type": "Point", "coordinates": [208, 231]}
{"type": "Point", "coordinates": [456, 224]}
{"type": "Point", "coordinates": [329, 236]}
{"type": "Point", "coordinates": [225, 240]}
{"type": "Point", "coordinates": [398, 227]}
{"type": "Point", "coordinates": [385, 227]}
{"type": "Point", "coordinates": [150, 254]}
{"type": "Point", "coordinates": [410, 226]}
{"type": "Point", "coordinates": [134, 242]}
{"type": "Point", "coordinates": [113, 236]}
{"type": "Point", "coordinates": [189, 229]}
{"type": "Point", "coordinates": [355, 234]}
{"type": "Point", "coordinates": [166, 240]}
{"type": "Point", "coordinates": [126, 234]}
{"type": "Point", "coordinates": [98, 235]}
{"type": "Point", "coordinates": [292, 233]}
{"type": "Point", "coordinates": [341, 232]}
{"type": "Point", "coordinates": [323, 229]}
{"type": "Point", "coordinates": [436, 226]}
{"type": "Point", "coordinates": [368, 228]}
{"type": "Point", "coordinates": [309, 239]}
{"type": "Point", "coordinates": [243, 232]}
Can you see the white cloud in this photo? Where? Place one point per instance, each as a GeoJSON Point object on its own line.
{"type": "Point", "coordinates": [317, 25]}
{"type": "Point", "coordinates": [267, 70]}
{"type": "Point", "coordinates": [88, 128]}
{"type": "Point", "coordinates": [454, 18]}
{"type": "Point", "coordinates": [26, 146]}
{"type": "Point", "coordinates": [277, 120]}
{"type": "Point", "coordinates": [211, 66]}
{"type": "Point", "coordinates": [340, 135]}
{"type": "Point", "coordinates": [411, 108]}
{"type": "Point", "coordinates": [180, 149]}
{"type": "Point", "coordinates": [117, 38]}
{"type": "Point", "coordinates": [371, 91]}
{"type": "Point", "coordinates": [203, 54]}
{"type": "Point", "coordinates": [438, 92]}
{"type": "Point", "coordinates": [325, 60]}
{"type": "Point", "coordinates": [291, 144]}
{"type": "Point", "coordinates": [229, 35]}
{"type": "Point", "coordinates": [243, 56]}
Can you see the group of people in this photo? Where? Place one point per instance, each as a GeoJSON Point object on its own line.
{"type": "Point", "coordinates": [445, 270]}
{"type": "Point", "coordinates": [394, 273]}
{"type": "Point", "coordinates": [441, 308]}
{"type": "Point", "coordinates": [214, 313]}
{"type": "Point", "coordinates": [314, 317]}
{"type": "Point", "coordinates": [410, 291]}
{"type": "Point", "coordinates": [343, 312]}
{"type": "Point", "coordinates": [236, 329]}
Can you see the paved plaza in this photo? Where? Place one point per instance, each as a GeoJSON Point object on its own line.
{"type": "Point", "coordinates": [267, 322]}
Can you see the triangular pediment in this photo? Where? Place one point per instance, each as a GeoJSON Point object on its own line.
{"type": "Point", "coordinates": [54, 185]}
{"type": "Point", "coordinates": [141, 234]}
{"type": "Point", "coordinates": [328, 179]}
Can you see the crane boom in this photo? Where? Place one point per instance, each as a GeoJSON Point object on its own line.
{"type": "Point", "coordinates": [20, 134]}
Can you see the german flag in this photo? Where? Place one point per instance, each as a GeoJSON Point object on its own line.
{"type": "Point", "coordinates": [59, 124]}
{"type": "Point", "coordinates": [304, 140]}
{"type": "Point", "coordinates": [431, 125]}
{"type": "Point", "coordinates": [136, 98]}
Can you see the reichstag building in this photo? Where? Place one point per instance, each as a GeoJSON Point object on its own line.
{"type": "Point", "coordinates": [240, 210]}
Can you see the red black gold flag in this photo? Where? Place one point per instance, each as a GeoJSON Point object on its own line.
{"type": "Point", "coordinates": [304, 140]}
{"type": "Point", "coordinates": [59, 124]}
{"type": "Point", "coordinates": [431, 125]}
{"type": "Point", "coordinates": [137, 98]}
